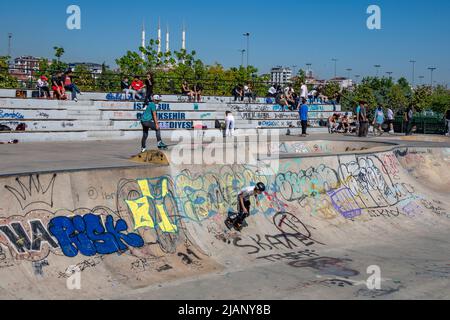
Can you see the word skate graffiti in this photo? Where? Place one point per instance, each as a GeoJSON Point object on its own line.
{"type": "Point", "coordinates": [293, 234]}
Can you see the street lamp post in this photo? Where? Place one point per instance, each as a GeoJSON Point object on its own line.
{"type": "Point", "coordinates": [432, 70]}
{"type": "Point", "coordinates": [9, 44]}
{"type": "Point", "coordinates": [377, 66]}
{"type": "Point", "coordinates": [294, 68]}
{"type": "Point", "coordinates": [421, 79]}
{"type": "Point", "coordinates": [248, 47]}
{"type": "Point", "coordinates": [349, 70]}
{"type": "Point", "coordinates": [242, 56]}
{"type": "Point", "coordinates": [357, 76]}
{"type": "Point", "coordinates": [389, 73]}
{"type": "Point", "coordinates": [413, 72]}
{"type": "Point", "coordinates": [335, 66]}
{"type": "Point", "coordinates": [308, 65]}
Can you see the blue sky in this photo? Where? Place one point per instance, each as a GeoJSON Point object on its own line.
{"type": "Point", "coordinates": [288, 32]}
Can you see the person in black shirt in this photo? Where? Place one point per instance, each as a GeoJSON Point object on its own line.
{"type": "Point", "coordinates": [186, 91]}
{"type": "Point", "coordinates": [198, 89]}
{"type": "Point", "coordinates": [238, 93]}
{"type": "Point", "coordinates": [58, 85]}
{"type": "Point", "coordinates": [126, 88]}
{"type": "Point", "coordinates": [409, 115]}
{"type": "Point", "coordinates": [149, 85]}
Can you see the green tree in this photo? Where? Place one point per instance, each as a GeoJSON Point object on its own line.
{"type": "Point", "coordinates": [396, 98]}
{"type": "Point", "coordinates": [6, 80]}
{"type": "Point", "coordinates": [84, 79]}
{"type": "Point", "coordinates": [131, 64]}
{"type": "Point", "coordinates": [108, 81]}
{"type": "Point", "coordinates": [421, 98]}
{"type": "Point", "coordinates": [440, 99]}
{"type": "Point", "coordinates": [331, 89]}
{"type": "Point", "coordinates": [364, 92]}
{"type": "Point", "coordinates": [59, 52]}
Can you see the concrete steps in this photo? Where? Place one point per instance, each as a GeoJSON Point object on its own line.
{"type": "Point", "coordinates": [51, 120]}
{"type": "Point", "coordinates": [105, 134]}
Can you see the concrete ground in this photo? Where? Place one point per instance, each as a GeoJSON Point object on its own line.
{"type": "Point", "coordinates": [25, 158]}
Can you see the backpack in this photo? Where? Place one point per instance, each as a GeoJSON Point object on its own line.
{"type": "Point", "coordinates": [21, 127]}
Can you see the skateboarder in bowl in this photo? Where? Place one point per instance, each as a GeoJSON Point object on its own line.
{"type": "Point", "coordinates": [149, 122]}
{"type": "Point", "coordinates": [244, 205]}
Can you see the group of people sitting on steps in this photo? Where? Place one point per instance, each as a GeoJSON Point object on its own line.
{"type": "Point", "coordinates": [60, 83]}
{"type": "Point", "coordinates": [138, 89]}
{"type": "Point", "coordinates": [240, 92]}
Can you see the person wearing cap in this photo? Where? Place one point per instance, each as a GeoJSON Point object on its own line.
{"type": "Point", "coordinates": [244, 205]}
{"type": "Point", "coordinates": [149, 122]}
{"type": "Point", "coordinates": [43, 87]}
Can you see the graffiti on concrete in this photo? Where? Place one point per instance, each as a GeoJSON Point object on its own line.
{"type": "Point", "coordinates": [293, 233]}
{"type": "Point", "coordinates": [11, 115]}
{"type": "Point", "coordinates": [144, 216]}
{"type": "Point", "coordinates": [16, 236]}
{"type": "Point", "coordinates": [89, 236]}
{"type": "Point", "coordinates": [327, 266]}
{"type": "Point", "coordinates": [31, 191]}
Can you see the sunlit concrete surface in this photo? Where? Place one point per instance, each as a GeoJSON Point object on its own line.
{"type": "Point", "coordinates": [82, 214]}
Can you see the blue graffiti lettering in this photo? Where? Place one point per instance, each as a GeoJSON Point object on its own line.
{"type": "Point", "coordinates": [88, 236]}
{"type": "Point", "coordinates": [12, 115]}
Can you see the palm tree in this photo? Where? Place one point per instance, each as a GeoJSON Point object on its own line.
{"type": "Point", "coordinates": [59, 52]}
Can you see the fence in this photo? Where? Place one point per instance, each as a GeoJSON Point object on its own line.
{"type": "Point", "coordinates": [423, 125]}
{"type": "Point", "coordinates": [110, 82]}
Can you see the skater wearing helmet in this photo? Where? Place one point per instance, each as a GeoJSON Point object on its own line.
{"type": "Point", "coordinates": [244, 205]}
{"type": "Point", "coordinates": [149, 122]}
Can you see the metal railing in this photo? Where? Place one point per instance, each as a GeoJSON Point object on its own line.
{"type": "Point", "coordinates": [110, 82]}
{"type": "Point", "coordinates": [422, 125]}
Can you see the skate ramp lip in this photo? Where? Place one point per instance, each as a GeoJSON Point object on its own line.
{"type": "Point", "coordinates": [332, 148]}
{"type": "Point", "coordinates": [421, 138]}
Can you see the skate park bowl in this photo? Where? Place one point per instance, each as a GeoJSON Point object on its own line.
{"type": "Point", "coordinates": [326, 221]}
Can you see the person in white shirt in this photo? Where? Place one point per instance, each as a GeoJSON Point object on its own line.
{"type": "Point", "coordinates": [312, 96]}
{"type": "Point", "coordinates": [230, 124]}
{"type": "Point", "coordinates": [287, 90]}
{"type": "Point", "coordinates": [43, 87]}
{"type": "Point", "coordinates": [304, 91]}
{"type": "Point", "coordinates": [272, 92]}
{"type": "Point", "coordinates": [244, 205]}
{"type": "Point", "coordinates": [248, 93]}
{"type": "Point", "coordinates": [390, 120]}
